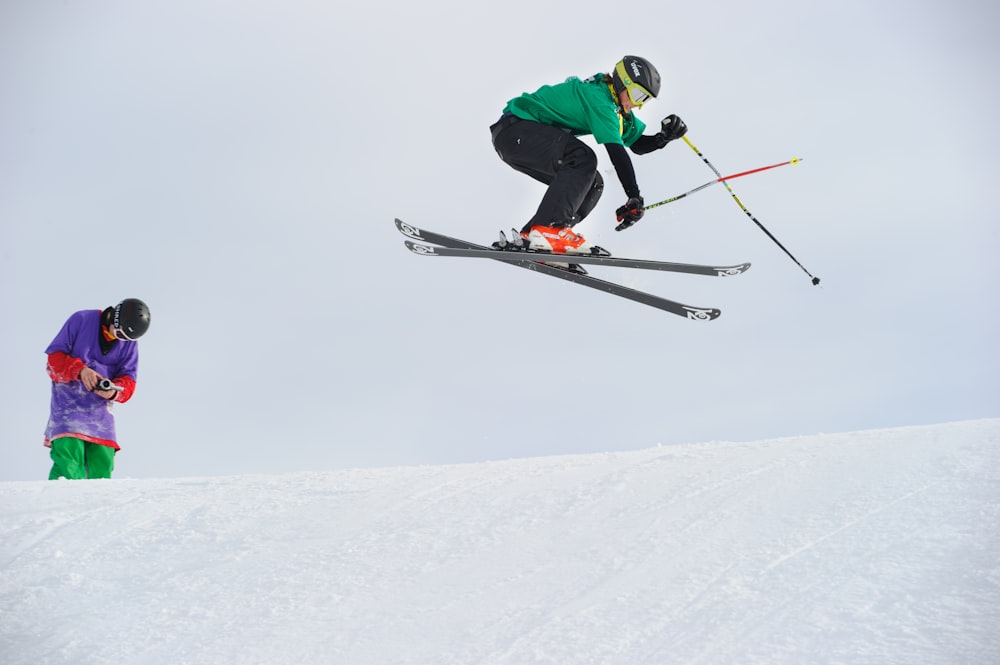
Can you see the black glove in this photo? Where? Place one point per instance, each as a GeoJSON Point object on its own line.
{"type": "Point", "coordinates": [672, 127]}
{"type": "Point", "coordinates": [630, 213]}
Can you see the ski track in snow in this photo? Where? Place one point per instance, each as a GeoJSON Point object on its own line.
{"type": "Point", "coordinates": [868, 547]}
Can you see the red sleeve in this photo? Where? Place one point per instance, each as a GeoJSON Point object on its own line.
{"type": "Point", "coordinates": [128, 387]}
{"type": "Point", "coordinates": [63, 367]}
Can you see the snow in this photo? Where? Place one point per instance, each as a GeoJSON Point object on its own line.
{"type": "Point", "coordinates": [877, 546]}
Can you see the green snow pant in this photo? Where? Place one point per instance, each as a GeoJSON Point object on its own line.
{"type": "Point", "coordinates": [77, 459]}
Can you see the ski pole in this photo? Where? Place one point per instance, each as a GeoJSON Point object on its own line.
{"type": "Point", "coordinates": [815, 280]}
{"type": "Point", "coordinates": [793, 160]}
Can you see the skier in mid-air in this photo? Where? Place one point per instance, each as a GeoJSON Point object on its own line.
{"type": "Point", "coordinates": [537, 135]}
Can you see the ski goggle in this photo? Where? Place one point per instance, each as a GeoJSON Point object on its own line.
{"type": "Point", "coordinates": [120, 334]}
{"type": "Point", "coordinates": [636, 92]}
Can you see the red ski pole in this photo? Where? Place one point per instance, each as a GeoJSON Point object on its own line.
{"type": "Point", "coordinates": [793, 160]}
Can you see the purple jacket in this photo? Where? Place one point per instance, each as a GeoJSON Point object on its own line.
{"type": "Point", "coordinates": [74, 411]}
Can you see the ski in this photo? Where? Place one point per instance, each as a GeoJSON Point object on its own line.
{"type": "Point", "coordinates": [583, 259]}
{"type": "Point", "coordinates": [680, 309]}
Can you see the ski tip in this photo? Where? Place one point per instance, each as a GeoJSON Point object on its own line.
{"type": "Point", "coordinates": [702, 313]}
{"type": "Point", "coordinates": [408, 229]}
{"type": "Point", "coordinates": [417, 248]}
{"type": "Point", "coordinates": [727, 271]}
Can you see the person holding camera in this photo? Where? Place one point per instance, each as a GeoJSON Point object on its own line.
{"type": "Point", "coordinates": [93, 363]}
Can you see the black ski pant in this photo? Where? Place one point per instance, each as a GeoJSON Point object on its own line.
{"type": "Point", "coordinates": [556, 158]}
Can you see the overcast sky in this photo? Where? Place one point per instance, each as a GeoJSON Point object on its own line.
{"type": "Point", "coordinates": [238, 166]}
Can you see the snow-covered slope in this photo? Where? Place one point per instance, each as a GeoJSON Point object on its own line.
{"type": "Point", "coordinates": [868, 547]}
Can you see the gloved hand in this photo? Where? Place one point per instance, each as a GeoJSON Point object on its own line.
{"type": "Point", "coordinates": [630, 213]}
{"type": "Point", "coordinates": [672, 128]}
{"type": "Point", "coordinates": [657, 141]}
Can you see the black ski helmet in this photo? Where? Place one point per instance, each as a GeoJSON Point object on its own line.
{"type": "Point", "coordinates": [632, 71]}
{"type": "Point", "coordinates": [131, 318]}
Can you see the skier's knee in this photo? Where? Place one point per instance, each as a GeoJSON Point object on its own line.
{"type": "Point", "coordinates": [592, 197]}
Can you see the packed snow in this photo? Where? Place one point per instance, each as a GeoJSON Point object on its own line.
{"type": "Point", "coordinates": [867, 547]}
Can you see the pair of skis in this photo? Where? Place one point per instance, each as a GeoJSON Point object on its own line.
{"type": "Point", "coordinates": [442, 245]}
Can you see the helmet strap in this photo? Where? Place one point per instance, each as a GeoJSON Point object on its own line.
{"type": "Point", "coordinates": [617, 96]}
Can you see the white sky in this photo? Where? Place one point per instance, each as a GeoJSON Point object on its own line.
{"type": "Point", "coordinates": [238, 166]}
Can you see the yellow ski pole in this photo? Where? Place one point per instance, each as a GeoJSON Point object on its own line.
{"type": "Point", "coordinates": [815, 280]}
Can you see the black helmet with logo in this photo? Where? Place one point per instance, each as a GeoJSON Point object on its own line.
{"type": "Point", "coordinates": [638, 76]}
{"type": "Point", "coordinates": [131, 319]}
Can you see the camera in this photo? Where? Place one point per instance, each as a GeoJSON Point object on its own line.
{"type": "Point", "coordinates": [105, 384]}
